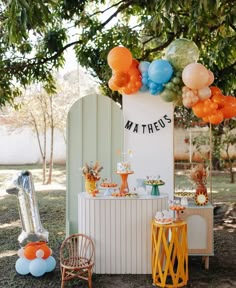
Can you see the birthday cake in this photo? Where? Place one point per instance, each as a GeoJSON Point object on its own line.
{"type": "Point", "coordinates": [123, 167]}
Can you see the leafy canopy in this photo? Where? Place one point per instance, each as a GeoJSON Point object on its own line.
{"type": "Point", "coordinates": [35, 34]}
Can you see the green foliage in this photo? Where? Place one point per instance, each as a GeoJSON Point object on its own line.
{"type": "Point", "coordinates": [35, 35]}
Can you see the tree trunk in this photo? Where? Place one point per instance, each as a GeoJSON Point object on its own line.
{"type": "Point", "coordinates": [49, 180]}
{"type": "Point", "coordinates": [41, 149]}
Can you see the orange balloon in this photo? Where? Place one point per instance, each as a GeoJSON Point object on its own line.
{"type": "Point", "coordinates": [206, 119]}
{"type": "Point", "coordinates": [120, 79]}
{"type": "Point", "coordinates": [198, 109]}
{"type": "Point", "coordinates": [229, 111]}
{"type": "Point", "coordinates": [215, 90]}
{"type": "Point", "coordinates": [46, 250]}
{"type": "Point", "coordinates": [218, 99]}
{"type": "Point", "coordinates": [216, 118]}
{"type": "Point", "coordinates": [112, 86]}
{"type": "Point", "coordinates": [119, 59]}
{"type": "Point", "coordinates": [30, 252]}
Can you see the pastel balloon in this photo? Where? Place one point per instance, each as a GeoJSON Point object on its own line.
{"type": "Point", "coordinates": [211, 78]}
{"type": "Point", "coordinates": [168, 95]}
{"type": "Point", "coordinates": [51, 264]}
{"type": "Point", "coordinates": [204, 93]}
{"type": "Point", "coordinates": [160, 71]}
{"type": "Point", "coordinates": [22, 266]}
{"type": "Point", "coordinates": [143, 66]}
{"type": "Point", "coordinates": [195, 76]}
{"type": "Point", "coordinates": [182, 52]}
{"type": "Point", "coordinates": [119, 59]}
{"type": "Point", "coordinates": [37, 267]}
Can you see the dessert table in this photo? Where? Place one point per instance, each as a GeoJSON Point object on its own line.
{"type": "Point", "coordinates": [121, 230]}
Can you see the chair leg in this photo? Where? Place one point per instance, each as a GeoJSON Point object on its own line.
{"type": "Point", "coordinates": [90, 278]}
{"type": "Point", "coordinates": [62, 277]}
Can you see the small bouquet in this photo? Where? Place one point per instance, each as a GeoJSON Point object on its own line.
{"type": "Point", "coordinates": [199, 174]}
{"type": "Point", "coordinates": [92, 171]}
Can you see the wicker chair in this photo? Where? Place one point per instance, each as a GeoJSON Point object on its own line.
{"type": "Point", "coordinates": [77, 258]}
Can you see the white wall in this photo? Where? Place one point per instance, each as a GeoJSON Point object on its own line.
{"type": "Point", "coordinates": [150, 137]}
{"type": "Point", "coordinates": [20, 146]}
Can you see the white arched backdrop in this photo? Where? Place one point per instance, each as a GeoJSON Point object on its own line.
{"type": "Point", "coordinates": [97, 128]}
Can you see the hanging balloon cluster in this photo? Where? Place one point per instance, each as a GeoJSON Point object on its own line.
{"type": "Point", "coordinates": [126, 77]}
{"type": "Point", "coordinates": [176, 78]}
{"type": "Point", "coordinates": [35, 255]}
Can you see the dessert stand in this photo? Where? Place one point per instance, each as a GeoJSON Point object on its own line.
{"type": "Point", "coordinates": [108, 190]}
{"type": "Point", "coordinates": [155, 189]}
{"type": "Point", "coordinates": [124, 188]}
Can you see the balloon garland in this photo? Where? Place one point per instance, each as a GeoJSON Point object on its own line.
{"type": "Point", "coordinates": [177, 78]}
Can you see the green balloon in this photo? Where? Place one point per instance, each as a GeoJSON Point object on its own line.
{"type": "Point", "coordinates": [168, 95]}
{"type": "Point", "coordinates": [182, 52]}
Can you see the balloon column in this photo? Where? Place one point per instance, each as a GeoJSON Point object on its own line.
{"type": "Point", "coordinates": [35, 256]}
{"type": "Point", "coordinates": [175, 78]}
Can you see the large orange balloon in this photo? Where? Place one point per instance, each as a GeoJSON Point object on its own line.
{"type": "Point", "coordinates": [119, 59]}
{"type": "Point", "coordinates": [195, 76]}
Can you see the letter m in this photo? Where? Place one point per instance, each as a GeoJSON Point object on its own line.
{"type": "Point", "coordinates": [129, 124]}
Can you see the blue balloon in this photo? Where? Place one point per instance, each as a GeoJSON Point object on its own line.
{"type": "Point", "coordinates": [37, 267]}
{"type": "Point", "coordinates": [153, 91]}
{"type": "Point", "coordinates": [160, 88]}
{"type": "Point", "coordinates": [22, 266]}
{"type": "Point", "coordinates": [160, 71]}
{"type": "Point", "coordinates": [51, 263]}
{"type": "Point", "coordinates": [144, 80]}
{"type": "Point", "coordinates": [143, 88]}
{"type": "Point", "coordinates": [145, 74]}
{"type": "Point", "coordinates": [143, 66]}
{"type": "Point", "coordinates": [153, 85]}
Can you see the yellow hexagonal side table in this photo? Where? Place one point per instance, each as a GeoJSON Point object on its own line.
{"type": "Point", "coordinates": [169, 254]}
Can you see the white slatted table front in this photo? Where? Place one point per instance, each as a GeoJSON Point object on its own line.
{"type": "Point", "coordinates": [121, 230]}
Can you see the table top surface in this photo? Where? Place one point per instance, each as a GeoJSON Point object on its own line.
{"type": "Point", "coordinates": [178, 223]}
{"type": "Point", "coordinates": [100, 196]}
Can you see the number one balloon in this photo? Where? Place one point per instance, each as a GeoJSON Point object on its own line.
{"type": "Point", "coordinates": [32, 229]}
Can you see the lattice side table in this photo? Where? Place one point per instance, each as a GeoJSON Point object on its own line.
{"type": "Point", "coordinates": [169, 254]}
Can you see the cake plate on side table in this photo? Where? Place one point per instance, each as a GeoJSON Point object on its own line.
{"type": "Point", "coordinates": [124, 188]}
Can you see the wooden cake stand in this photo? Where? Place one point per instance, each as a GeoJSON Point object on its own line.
{"type": "Point", "coordinates": [124, 188]}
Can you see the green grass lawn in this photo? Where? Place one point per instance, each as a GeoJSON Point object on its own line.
{"type": "Point", "coordinates": [51, 203]}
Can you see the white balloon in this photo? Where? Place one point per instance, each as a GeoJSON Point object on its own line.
{"type": "Point", "coordinates": [204, 93]}
{"type": "Point", "coordinates": [39, 253]}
